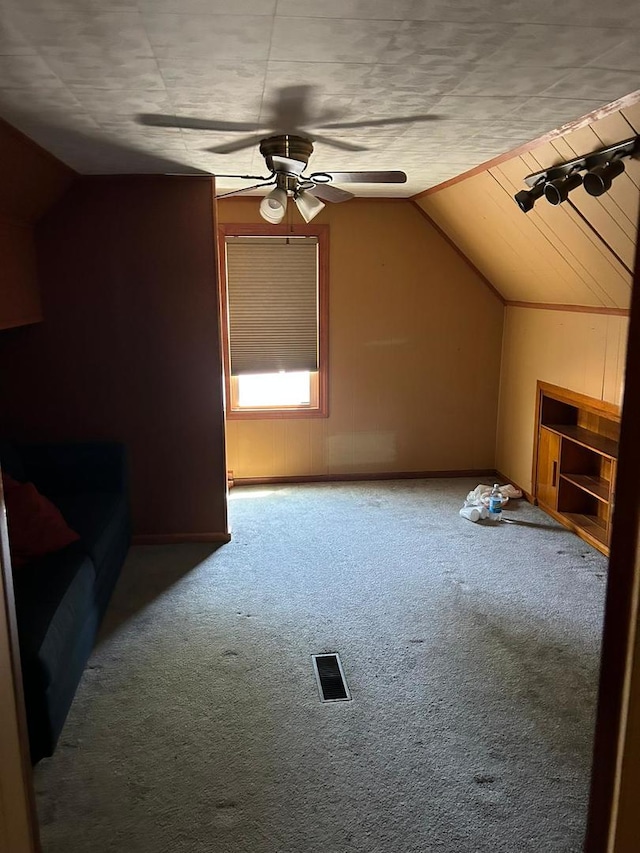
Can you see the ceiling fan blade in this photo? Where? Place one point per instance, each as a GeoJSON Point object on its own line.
{"type": "Point", "coordinates": [245, 189]}
{"type": "Point", "coordinates": [329, 193]}
{"type": "Point", "coordinates": [267, 178]}
{"type": "Point", "coordinates": [238, 145]}
{"type": "Point", "coordinates": [338, 143]}
{"type": "Point", "coordinates": [363, 177]}
{"type": "Point", "coordinates": [290, 107]}
{"type": "Point", "coordinates": [380, 122]}
{"type": "Point", "coordinates": [287, 164]}
{"type": "Point", "coordinates": [188, 123]}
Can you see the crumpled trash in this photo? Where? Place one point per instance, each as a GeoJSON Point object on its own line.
{"type": "Point", "coordinates": [474, 513]}
{"type": "Point", "coordinates": [480, 495]}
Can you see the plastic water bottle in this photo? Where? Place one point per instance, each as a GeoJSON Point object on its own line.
{"type": "Point", "coordinates": [495, 503]}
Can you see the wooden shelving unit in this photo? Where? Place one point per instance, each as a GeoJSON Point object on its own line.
{"type": "Point", "coordinates": [575, 460]}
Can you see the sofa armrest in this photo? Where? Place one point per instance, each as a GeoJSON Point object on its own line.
{"type": "Point", "coordinates": [76, 466]}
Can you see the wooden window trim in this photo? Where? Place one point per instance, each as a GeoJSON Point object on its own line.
{"type": "Point", "coordinates": [266, 230]}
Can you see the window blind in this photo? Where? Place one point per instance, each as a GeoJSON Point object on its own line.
{"type": "Point", "coordinates": [272, 294]}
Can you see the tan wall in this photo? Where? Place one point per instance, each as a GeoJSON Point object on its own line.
{"type": "Point", "coordinates": [583, 352]}
{"type": "Point", "coordinates": [560, 255]}
{"type": "Point", "coordinates": [414, 340]}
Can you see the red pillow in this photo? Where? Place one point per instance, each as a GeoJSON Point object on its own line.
{"type": "Point", "coordinates": [36, 526]}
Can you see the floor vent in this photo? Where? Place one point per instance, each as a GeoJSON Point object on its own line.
{"type": "Point", "coordinates": [330, 677]}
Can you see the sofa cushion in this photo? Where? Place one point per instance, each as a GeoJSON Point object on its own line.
{"type": "Point", "coordinates": [53, 594]}
{"type": "Point", "coordinates": [36, 526]}
{"type": "Point", "coordinates": [101, 519]}
{"type": "Point", "coordinates": [11, 461]}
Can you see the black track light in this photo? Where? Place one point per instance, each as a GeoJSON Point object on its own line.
{"type": "Point", "coordinates": [556, 182]}
{"type": "Point", "coordinates": [599, 179]}
{"type": "Point", "coordinates": [527, 198]}
{"type": "Point", "coordinates": [558, 191]}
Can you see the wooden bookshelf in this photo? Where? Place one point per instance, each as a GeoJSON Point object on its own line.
{"type": "Point", "coordinates": [575, 459]}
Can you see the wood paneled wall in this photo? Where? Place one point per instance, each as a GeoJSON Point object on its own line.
{"type": "Point", "coordinates": [18, 826]}
{"type": "Point", "coordinates": [581, 351]}
{"type": "Point", "coordinates": [130, 346]}
{"type": "Point", "coordinates": [579, 253]}
{"type": "Point", "coordinates": [30, 180]}
{"type": "Point", "coordinates": [414, 355]}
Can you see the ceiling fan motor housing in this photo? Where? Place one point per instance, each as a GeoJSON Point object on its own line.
{"type": "Point", "coordinates": [286, 145]}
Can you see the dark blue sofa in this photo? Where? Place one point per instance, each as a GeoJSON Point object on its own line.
{"type": "Point", "coordinates": [61, 598]}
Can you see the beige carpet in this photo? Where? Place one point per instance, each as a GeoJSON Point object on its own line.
{"type": "Point", "coordinates": [471, 652]}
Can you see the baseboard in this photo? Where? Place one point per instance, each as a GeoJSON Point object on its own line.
{"type": "Point", "coordinates": [177, 538]}
{"type": "Point", "coordinates": [340, 478]}
{"type": "Point", "coordinates": [525, 493]}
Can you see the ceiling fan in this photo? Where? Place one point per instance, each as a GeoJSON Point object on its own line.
{"type": "Point", "coordinates": [288, 112]}
{"type": "Point", "coordinates": [287, 153]}
{"type": "Point", "coordinates": [287, 157]}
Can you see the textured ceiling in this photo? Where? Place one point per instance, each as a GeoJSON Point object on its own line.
{"type": "Point", "coordinates": [76, 74]}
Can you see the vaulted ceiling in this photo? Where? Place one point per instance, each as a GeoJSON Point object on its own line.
{"type": "Point", "coordinates": [581, 252]}
{"type": "Point", "coordinates": [427, 86]}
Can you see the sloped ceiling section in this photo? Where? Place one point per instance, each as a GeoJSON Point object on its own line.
{"type": "Point", "coordinates": [30, 178]}
{"type": "Point", "coordinates": [575, 254]}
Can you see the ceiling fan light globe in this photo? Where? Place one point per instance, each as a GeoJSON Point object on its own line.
{"type": "Point", "coordinates": [308, 205]}
{"type": "Point", "coordinates": [273, 206]}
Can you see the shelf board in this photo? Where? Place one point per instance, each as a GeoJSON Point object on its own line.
{"type": "Point", "coordinates": [586, 438]}
{"type": "Point", "coordinates": [590, 524]}
{"type": "Point", "coordinates": [595, 486]}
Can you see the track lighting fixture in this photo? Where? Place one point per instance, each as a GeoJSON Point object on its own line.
{"type": "Point", "coordinates": [557, 182]}
{"type": "Point", "coordinates": [558, 190]}
{"type": "Point", "coordinates": [527, 198]}
{"type": "Point", "coordinates": [598, 180]}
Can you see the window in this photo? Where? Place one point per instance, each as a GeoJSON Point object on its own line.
{"type": "Point", "coordinates": [274, 300]}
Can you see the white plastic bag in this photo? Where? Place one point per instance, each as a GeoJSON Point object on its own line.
{"type": "Point", "coordinates": [480, 495]}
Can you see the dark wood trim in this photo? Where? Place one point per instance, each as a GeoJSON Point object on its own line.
{"type": "Point", "coordinates": [8, 602]}
{"type": "Point", "coordinates": [178, 538]}
{"type": "Point", "coordinates": [574, 528]}
{"type": "Point", "coordinates": [536, 442]}
{"type": "Point", "coordinates": [346, 478]}
{"type": "Point", "coordinates": [323, 320]}
{"type": "Point", "coordinates": [219, 319]}
{"type": "Point", "coordinates": [275, 414]}
{"type": "Point", "coordinates": [577, 124]}
{"type": "Point", "coordinates": [457, 249]}
{"type": "Point", "coordinates": [577, 309]}
{"type": "Point", "coordinates": [583, 401]}
{"type": "Point", "coordinates": [619, 616]}
{"type": "Point", "coordinates": [265, 230]}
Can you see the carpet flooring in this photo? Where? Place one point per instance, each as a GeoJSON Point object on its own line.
{"type": "Point", "coordinates": [471, 652]}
